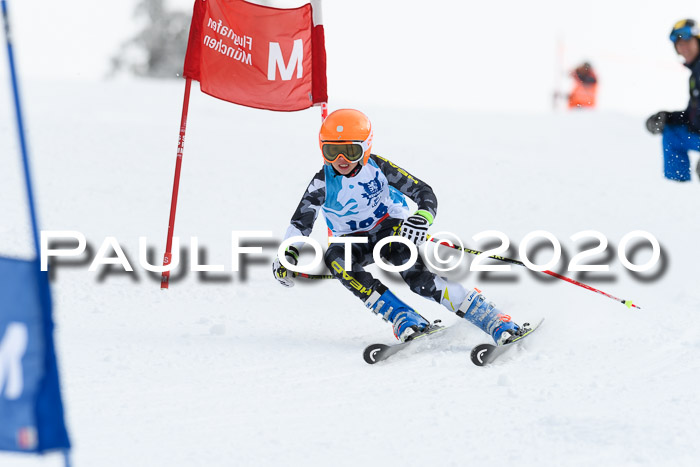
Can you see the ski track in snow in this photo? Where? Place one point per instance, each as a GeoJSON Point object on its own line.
{"type": "Point", "coordinates": [244, 372]}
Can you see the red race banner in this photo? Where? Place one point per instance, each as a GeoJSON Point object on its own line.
{"type": "Point", "coordinates": [257, 56]}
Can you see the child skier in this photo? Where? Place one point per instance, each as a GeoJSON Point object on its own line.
{"type": "Point", "coordinates": [362, 194]}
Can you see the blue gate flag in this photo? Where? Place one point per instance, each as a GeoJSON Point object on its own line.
{"type": "Point", "coordinates": [31, 411]}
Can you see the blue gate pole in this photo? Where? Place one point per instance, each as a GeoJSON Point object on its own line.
{"type": "Point", "coordinates": [42, 276]}
{"type": "Point", "coordinates": [20, 128]}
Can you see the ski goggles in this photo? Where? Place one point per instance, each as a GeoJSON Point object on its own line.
{"type": "Point", "coordinates": [352, 151]}
{"type": "Point", "coordinates": [684, 33]}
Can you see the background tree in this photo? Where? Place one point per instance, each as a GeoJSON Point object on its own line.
{"type": "Point", "coordinates": [158, 50]}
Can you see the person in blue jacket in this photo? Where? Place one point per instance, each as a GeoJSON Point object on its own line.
{"type": "Point", "coordinates": [681, 129]}
{"type": "Point", "coordinates": [363, 195]}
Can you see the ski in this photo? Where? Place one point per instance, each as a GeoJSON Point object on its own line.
{"type": "Point", "coordinates": [484, 354]}
{"type": "Point", "coordinates": [375, 353]}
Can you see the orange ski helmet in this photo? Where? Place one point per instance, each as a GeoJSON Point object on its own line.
{"type": "Point", "coordinates": [347, 133]}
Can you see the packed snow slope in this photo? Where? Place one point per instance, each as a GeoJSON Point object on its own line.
{"type": "Point", "coordinates": [233, 369]}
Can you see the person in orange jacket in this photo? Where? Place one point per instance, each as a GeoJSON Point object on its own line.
{"type": "Point", "coordinates": [585, 87]}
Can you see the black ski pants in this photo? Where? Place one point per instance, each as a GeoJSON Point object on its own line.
{"type": "Point", "coordinates": [360, 282]}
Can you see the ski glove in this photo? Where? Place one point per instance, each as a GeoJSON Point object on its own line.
{"type": "Point", "coordinates": [415, 228]}
{"type": "Point", "coordinates": [280, 272]}
{"type": "Point", "coordinates": [657, 122]}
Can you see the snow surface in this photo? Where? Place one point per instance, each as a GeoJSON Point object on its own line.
{"type": "Point", "coordinates": [241, 371]}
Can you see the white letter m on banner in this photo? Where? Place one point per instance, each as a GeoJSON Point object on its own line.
{"type": "Point", "coordinates": [13, 345]}
{"type": "Point", "coordinates": [275, 60]}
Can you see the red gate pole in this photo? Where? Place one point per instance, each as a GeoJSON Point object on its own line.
{"type": "Point", "coordinates": [165, 279]}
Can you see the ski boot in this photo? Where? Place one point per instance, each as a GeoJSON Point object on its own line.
{"type": "Point", "coordinates": [406, 321]}
{"type": "Point", "coordinates": [486, 316]}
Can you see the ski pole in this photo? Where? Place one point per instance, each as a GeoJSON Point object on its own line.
{"type": "Point", "coordinates": [627, 303]}
{"type": "Point", "coordinates": [313, 276]}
